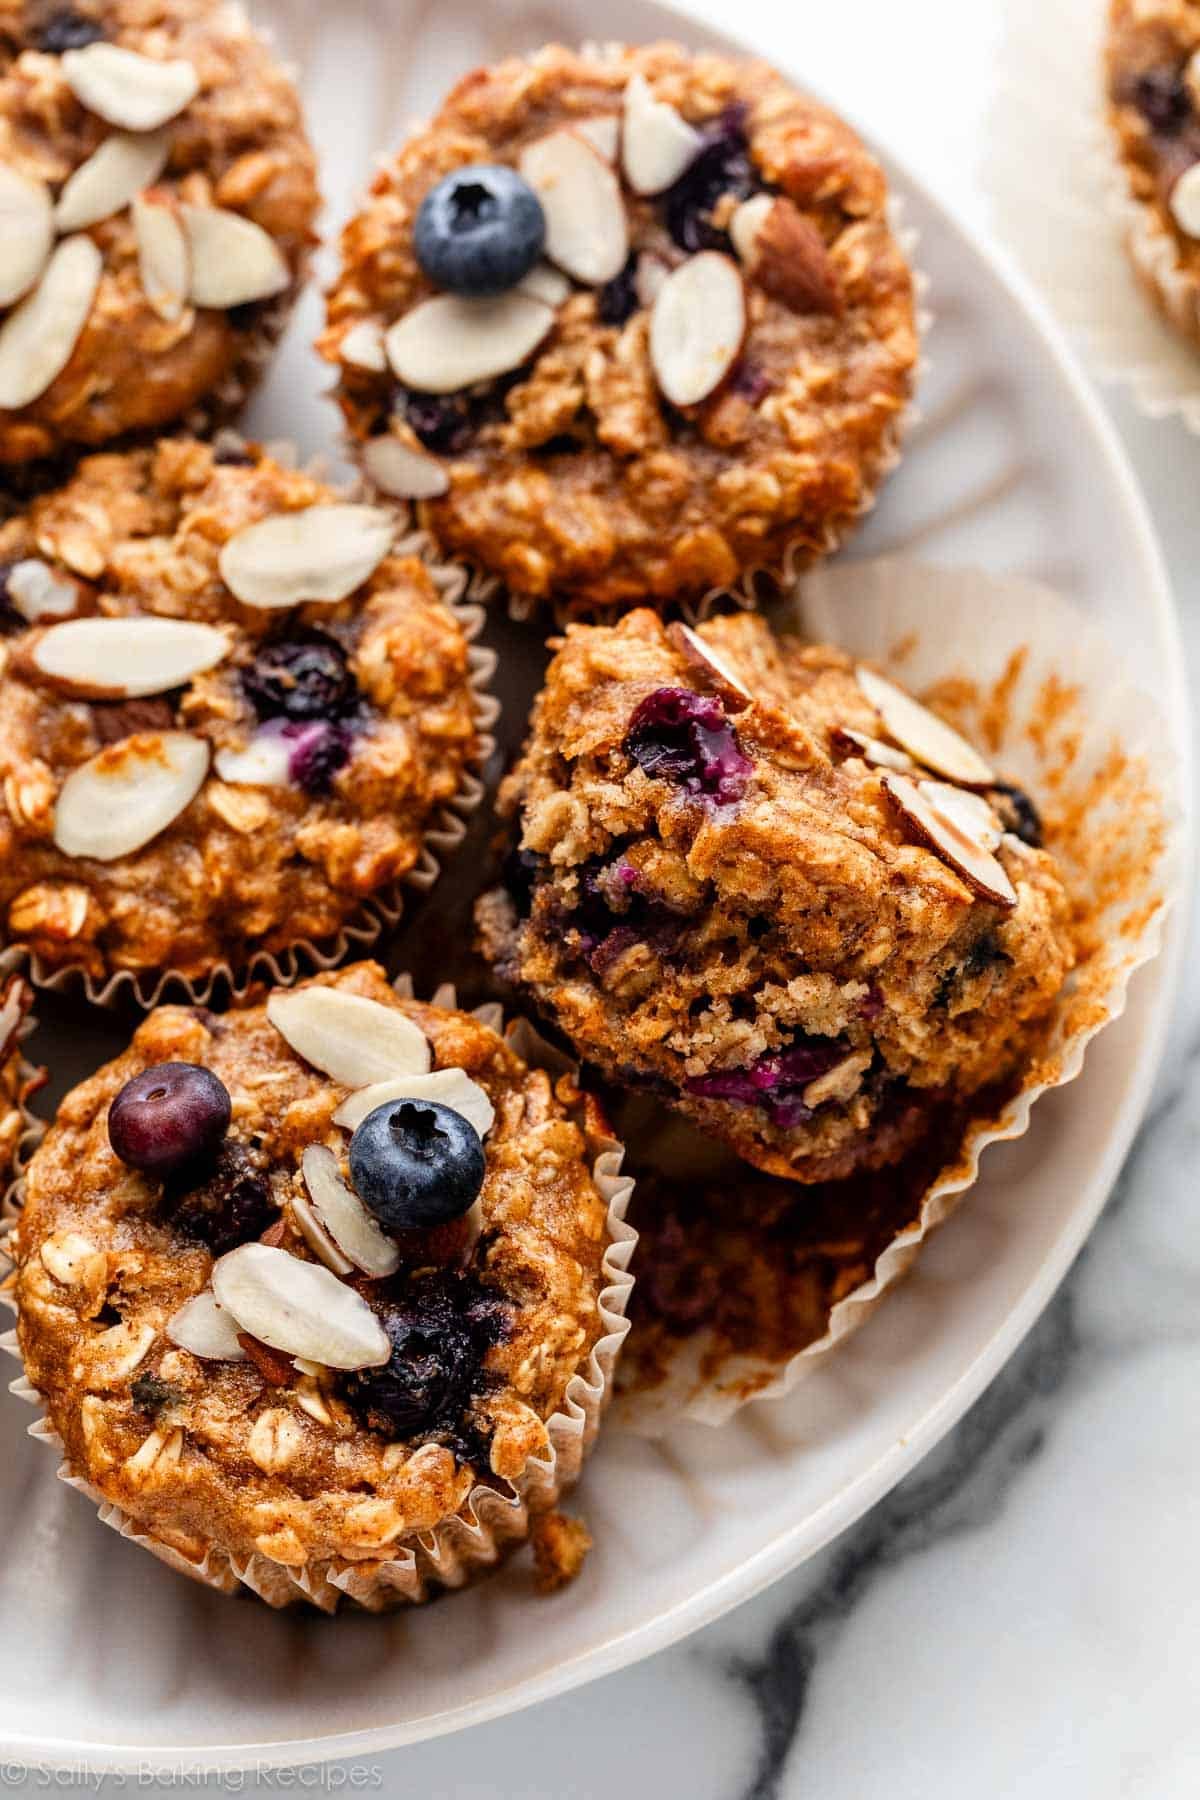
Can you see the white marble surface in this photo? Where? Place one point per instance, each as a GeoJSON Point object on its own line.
{"type": "Point", "coordinates": [1018, 1618]}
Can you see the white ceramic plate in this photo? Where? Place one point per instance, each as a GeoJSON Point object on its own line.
{"type": "Point", "coordinates": [107, 1659]}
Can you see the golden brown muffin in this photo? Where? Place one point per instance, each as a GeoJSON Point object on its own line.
{"type": "Point", "coordinates": [709, 367]}
{"type": "Point", "coordinates": [159, 198]}
{"type": "Point", "coordinates": [187, 777]}
{"type": "Point", "coordinates": [277, 1439]}
{"type": "Point", "coordinates": [767, 887]}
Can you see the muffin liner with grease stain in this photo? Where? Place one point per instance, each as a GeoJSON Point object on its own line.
{"type": "Point", "coordinates": [495, 1519]}
{"type": "Point", "coordinates": [378, 915]}
{"type": "Point", "coordinates": [1031, 680]}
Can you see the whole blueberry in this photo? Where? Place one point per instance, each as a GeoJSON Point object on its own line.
{"type": "Point", "coordinates": [479, 230]}
{"type": "Point", "coordinates": [300, 678]}
{"type": "Point", "coordinates": [441, 421]}
{"type": "Point", "coordinates": [416, 1163]}
{"type": "Point", "coordinates": [168, 1115]}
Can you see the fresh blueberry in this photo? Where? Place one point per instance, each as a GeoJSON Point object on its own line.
{"type": "Point", "coordinates": [617, 300]}
{"type": "Point", "coordinates": [223, 1200]}
{"type": "Point", "coordinates": [722, 167]}
{"type": "Point", "coordinates": [776, 1082]}
{"type": "Point", "coordinates": [318, 751]}
{"type": "Point", "coordinates": [479, 230]}
{"type": "Point", "coordinates": [167, 1116]}
{"type": "Point", "coordinates": [65, 29]}
{"type": "Point", "coordinates": [440, 1329]}
{"type": "Point", "coordinates": [300, 678]}
{"type": "Point", "coordinates": [680, 736]}
{"type": "Point", "coordinates": [1162, 98]}
{"type": "Point", "coordinates": [441, 421]}
{"type": "Point", "coordinates": [416, 1163]}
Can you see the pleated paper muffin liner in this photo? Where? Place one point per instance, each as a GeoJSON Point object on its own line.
{"type": "Point", "coordinates": [380, 913]}
{"type": "Point", "coordinates": [31, 1129]}
{"type": "Point", "coordinates": [496, 1517]}
{"type": "Point", "coordinates": [1033, 681]}
{"type": "Point", "coordinates": [1105, 263]}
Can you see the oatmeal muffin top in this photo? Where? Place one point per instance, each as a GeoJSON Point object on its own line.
{"type": "Point", "coordinates": [158, 197]}
{"type": "Point", "coordinates": [16, 1079]}
{"type": "Point", "coordinates": [247, 1353]}
{"type": "Point", "coordinates": [627, 323]}
{"type": "Point", "coordinates": [771, 888]}
{"type": "Point", "coordinates": [1153, 76]}
{"type": "Point", "coordinates": [229, 711]}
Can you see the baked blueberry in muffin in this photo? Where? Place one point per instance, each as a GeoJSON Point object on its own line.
{"type": "Point", "coordinates": [772, 889]}
{"type": "Point", "coordinates": [158, 196]}
{"type": "Point", "coordinates": [295, 1280]}
{"type": "Point", "coordinates": [230, 711]}
{"type": "Point", "coordinates": [626, 324]}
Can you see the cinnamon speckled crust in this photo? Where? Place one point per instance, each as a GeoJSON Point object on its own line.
{"type": "Point", "coordinates": [580, 482]}
{"type": "Point", "coordinates": [240, 144]}
{"type": "Point", "coordinates": [15, 1079]}
{"type": "Point", "coordinates": [712, 936]}
{"type": "Point", "coordinates": [243, 869]}
{"type": "Point", "coordinates": [227, 1460]}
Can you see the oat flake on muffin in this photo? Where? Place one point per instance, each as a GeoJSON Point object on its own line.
{"type": "Point", "coordinates": [626, 324]}
{"type": "Point", "coordinates": [266, 1374]}
{"type": "Point", "coordinates": [230, 712]}
{"type": "Point", "coordinates": [773, 890]}
{"type": "Point", "coordinates": [158, 196]}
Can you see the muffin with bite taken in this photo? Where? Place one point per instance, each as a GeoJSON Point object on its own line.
{"type": "Point", "coordinates": [628, 324]}
{"type": "Point", "coordinates": [317, 1292]}
{"type": "Point", "coordinates": [232, 707]}
{"type": "Point", "coordinates": [769, 887]}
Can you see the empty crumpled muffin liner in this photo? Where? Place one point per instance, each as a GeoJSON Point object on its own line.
{"type": "Point", "coordinates": [380, 913]}
{"type": "Point", "coordinates": [1032, 680]}
{"type": "Point", "coordinates": [495, 1518]}
{"type": "Point", "coordinates": [1100, 257]}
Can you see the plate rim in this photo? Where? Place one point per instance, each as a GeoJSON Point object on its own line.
{"type": "Point", "coordinates": [790, 1548]}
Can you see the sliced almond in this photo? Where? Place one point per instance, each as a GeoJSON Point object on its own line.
{"type": "Point", "coordinates": [355, 1040]}
{"type": "Point", "coordinates": [265, 761]}
{"type": "Point", "coordinates": [449, 343]}
{"type": "Point", "coordinates": [718, 673]}
{"type": "Point", "coordinates": [873, 751]}
{"type": "Point", "coordinates": [362, 347]}
{"type": "Point", "coordinates": [587, 232]}
{"type": "Point", "coordinates": [970, 812]}
{"type": "Point", "coordinates": [965, 850]}
{"type": "Point", "coordinates": [317, 1238]}
{"type": "Point", "coordinates": [40, 592]}
{"type": "Point", "coordinates": [111, 178]}
{"type": "Point", "coordinates": [128, 657]}
{"type": "Point", "coordinates": [37, 340]}
{"type": "Point", "coordinates": [26, 232]}
{"type": "Point", "coordinates": [697, 327]}
{"type": "Point", "coordinates": [923, 734]}
{"type": "Point", "coordinates": [746, 223]}
{"type": "Point", "coordinates": [403, 472]}
{"type": "Point", "coordinates": [445, 1087]}
{"type": "Point", "coordinates": [603, 133]}
{"type": "Point", "coordinates": [1185, 201]}
{"type": "Point", "coordinates": [164, 256]}
{"type": "Point", "coordinates": [123, 797]}
{"type": "Point", "coordinates": [318, 553]}
{"type": "Point", "coordinates": [126, 88]}
{"type": "Point", "coordinates": [234, 261]}
{"type": "Point", "coordinates": [299, 1307]}
{"type": "Point", "coordinates": [648, 278]}
{"type": "Point", "coordinates": [356, 1233]}
{"type": "Point", "coordinates": [206, 1329]}
{"type": "Point", "coordinates": [547, 284]}
{"type": "Point", "coordinates": [657, 143]}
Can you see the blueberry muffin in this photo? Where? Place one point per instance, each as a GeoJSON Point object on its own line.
{"type": "Point", "coordinates": [17, 1080]}
{"type": "Point", "coordinates": [158, 196]}
{"type": "Point", "coordinates": [627, 324]}
{"type": "Point", "coordinates": [1153, 93]}
{"type": "Point", "coordinates": [230, 712]}
{"type": "Point", "coordinates": [771, 889]}
{"type": "Point", "coordinates": [305, 1289]}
